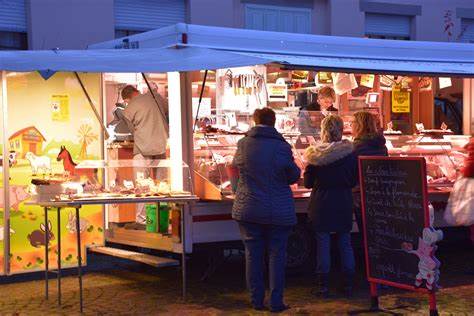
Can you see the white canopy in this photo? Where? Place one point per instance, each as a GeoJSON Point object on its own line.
{"type": "Point", "coordinates": [124, 60]}
{"type": "Point", "coordinates": [184, 47]}
{"type": "Point", "coordinates": [348, 54]}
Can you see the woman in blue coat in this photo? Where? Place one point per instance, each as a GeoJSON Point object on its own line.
{"type": "Point", "coordinates": [331, 173]}
{"type": "Point", "coordinates": [264, 206]}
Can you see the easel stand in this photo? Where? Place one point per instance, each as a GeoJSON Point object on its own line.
{"type": "Point", "coordinates": [433, 308]}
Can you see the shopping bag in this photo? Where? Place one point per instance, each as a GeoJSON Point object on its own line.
{"type": "Point", "coordinates": [460, 208]}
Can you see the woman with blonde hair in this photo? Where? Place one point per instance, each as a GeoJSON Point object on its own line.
{"type": "Point", "coordinates": [331, 174]}
{"type": "Point", "coordinates": [368, 141]}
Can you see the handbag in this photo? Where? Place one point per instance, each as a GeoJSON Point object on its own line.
{"type": "Point", "coordinates": [460, 208]}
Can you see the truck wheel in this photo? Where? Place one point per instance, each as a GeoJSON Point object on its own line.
{"type": "Point", "coordinates": [300, 250]}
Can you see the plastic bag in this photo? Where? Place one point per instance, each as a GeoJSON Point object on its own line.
{"type": "Point", "coordinates": [460, 208]}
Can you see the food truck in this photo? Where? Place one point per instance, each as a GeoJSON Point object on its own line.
{"type": "Point", "coordinates": [213, 78]}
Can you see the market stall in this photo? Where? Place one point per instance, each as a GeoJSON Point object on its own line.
{"type": "Point", "coordinates": [240, 71]}
{"type": "Point", "coordinates": [414, 88]}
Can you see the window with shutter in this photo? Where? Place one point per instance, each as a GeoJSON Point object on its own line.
{"type": "Point", "coordinates": [13, 25]}
{"type": "Point", "coordinates": [277, 19]}
{"type": "Point", "coordinates": [135, 16]}
{"type": "Point", "coordinates": [387, 26]}
{"type": "Point", "coordinates": [467, 31]}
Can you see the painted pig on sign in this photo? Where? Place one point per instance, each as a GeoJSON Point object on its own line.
{"type": "Point", "coordinates": [18, 194]}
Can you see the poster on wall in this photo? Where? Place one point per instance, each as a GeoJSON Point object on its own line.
{"type": "Point", "coordinates": [400, 100]}
{"type": "Point", "coordinates": [277, 92]}
{"type": "Point", "coordinates": [60, 107]}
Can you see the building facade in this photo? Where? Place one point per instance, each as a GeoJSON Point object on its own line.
{"type": "Point", "coordinates": [74, 24]}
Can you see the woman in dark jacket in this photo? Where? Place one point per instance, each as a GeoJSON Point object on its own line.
{"type": "Point", "coordinates": [331, 173]}
{"type": "Point", "coordinates": [264, 206]}
{"type": "Point", "coordinates": [368, 141]}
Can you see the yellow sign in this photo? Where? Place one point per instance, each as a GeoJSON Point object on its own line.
{"type": "Point", "coordinates": [367, 80]}
{"type": "Point", "coordinates": [277, 92]}
{"type": "Point", "coordinates": [60, 107]}
{"type": "Point", "coordinates": [400, 101]}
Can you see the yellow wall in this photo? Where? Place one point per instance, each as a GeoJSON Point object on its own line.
{"type": "Point", "coordinates": [29, 102]}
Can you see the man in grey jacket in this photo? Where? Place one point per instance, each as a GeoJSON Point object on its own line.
{"type": "Point", "coordinates": [148, 124]}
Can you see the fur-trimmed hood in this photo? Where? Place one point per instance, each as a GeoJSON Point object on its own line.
{"type": "Point", "coordinates": [326, 153]}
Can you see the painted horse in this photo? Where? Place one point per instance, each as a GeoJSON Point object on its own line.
{"type": "Point", "coordinates": [70, 166]}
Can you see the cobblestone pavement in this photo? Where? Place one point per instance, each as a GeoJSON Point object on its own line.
{"type": "Point", "coordinates": [115, 287]}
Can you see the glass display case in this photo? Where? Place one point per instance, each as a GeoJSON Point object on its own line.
{"type": "Point", "coordinates": [444, 155]}
{"type": "Point", "coordinates": [215, 146]}
{"type": "Point", "coordinates": [214, 151]}
{"type": "Point", "coordinates": [113, 179]}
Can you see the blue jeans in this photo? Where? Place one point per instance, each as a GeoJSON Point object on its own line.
{"type": "Point", "coordinates": [323, 241]}
{"type": "Point", "coordinates": [259, 239]}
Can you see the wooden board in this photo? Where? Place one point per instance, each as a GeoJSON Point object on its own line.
{"type": "Point", "coordinates": [136, 256]}
{"type": "Point", "coordinates": [140, 238]}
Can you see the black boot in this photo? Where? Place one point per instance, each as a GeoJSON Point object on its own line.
{"type": "Point", "coordinates": [348, 284]}
{"type": "Point", "coordinates": [322, 285]}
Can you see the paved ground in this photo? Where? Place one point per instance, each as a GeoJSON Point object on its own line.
{"type": "Point", "coordinates": [115, 287]}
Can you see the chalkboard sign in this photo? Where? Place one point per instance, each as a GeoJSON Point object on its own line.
{"type": "Point", "coordinates": [394, 212]}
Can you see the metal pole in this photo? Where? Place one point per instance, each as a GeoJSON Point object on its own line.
{"type": "Point", "coordinates": [6, 177]}
{"type": "Point", "coordinates": [97, 115]}
{"type": "Point", "coordinates": [59, 256]}
{"type": "Point", "coordinates": [432, 301]}
{"type": "Point", "coordinates": [183, 253]}
{"type": "Point", "coordinates": [156, 101]}
{"type": "Point", "coordinates": [200, 99]}
{"type": "Point", "coordinates": [46, 254]}
{"type": "Point", "coordinates": [79, 256]}
{"type": "Point", "coordinates": [105, 155]}
{"type": "Point", "coordinates": [374, 299]}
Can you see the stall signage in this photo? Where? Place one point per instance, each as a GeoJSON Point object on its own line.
{"type": "Point", "coordinates": [60, 107]}
{"type": "Point", "coordinates": [399, 241]}
{"type": "Point", "coordinates": [367, 80]}
{"type": "Point", "coordinates": [277, 92]}
{"type": "Point", "coordinates": [324, 78]}
{"type": "Point", "coordinates": [204, 108]}
{"type": "Point", "coordinates": [444, 82]}
{"type": "Point", "coordinates": [424, 83]}
{"type": "Point", "coordinates": [400, 101]}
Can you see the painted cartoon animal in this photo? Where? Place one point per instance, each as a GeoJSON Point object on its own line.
{"type": "Point", "coordinates": [18, 194]}
{"type": "Point", "coordinates": [38, 163]}
{"type": "Point", "coordinates": [71, 223]}
{"type": "Point", "coordinates": [37, 237]}
{"type": "Point", "coordinates": [428, 266]}
{"type": "Point", "coordinates": [2, 231]}
{"type": "Point", "coordinates": [11, 158]}
{"type": "Point", "coordinates": [70, 166]}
